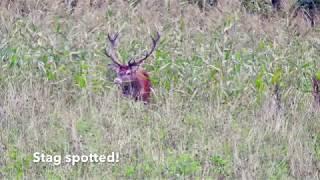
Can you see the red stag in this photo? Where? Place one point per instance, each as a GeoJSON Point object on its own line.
{"type": "Point", "coordinates": [133, 81]}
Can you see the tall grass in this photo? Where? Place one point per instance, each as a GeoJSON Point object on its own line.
{"type": "Point", "coordinates": [232, 92]}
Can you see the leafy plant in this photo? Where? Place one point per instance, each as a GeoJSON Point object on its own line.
{"type": "Point", "coordinates": [221, 166]}
{"type": "Point", "coordinates": [183, 165]}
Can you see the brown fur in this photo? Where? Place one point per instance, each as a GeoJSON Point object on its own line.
{"type": "Point", "coordinates": [144, 84]}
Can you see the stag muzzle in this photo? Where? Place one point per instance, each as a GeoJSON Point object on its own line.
{"type": "Point", "coordinates": [118, 81]}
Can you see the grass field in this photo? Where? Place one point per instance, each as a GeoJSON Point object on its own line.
{"type": "Point", "coordinates": [232, 92]}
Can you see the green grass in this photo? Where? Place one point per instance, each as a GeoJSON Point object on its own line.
{"type": "Point", "coordinates": [215, 111]}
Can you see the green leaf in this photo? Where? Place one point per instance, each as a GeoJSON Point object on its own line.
{"type": "Point", "coordinates": [51, 75]}
{"type": "Point", "coordinates": [318, 75]}
{"type": "Point", "coordinates": [276, 78]}
{"type": "Point", "coordinates": [13, 60]}
{"type": "Point", "coordinates": [81, 80]}
{"type": "Point", "coordinates": [260, 84]}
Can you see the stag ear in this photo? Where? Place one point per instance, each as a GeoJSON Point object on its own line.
{"type": "Point", "coordinates": [114, 67]}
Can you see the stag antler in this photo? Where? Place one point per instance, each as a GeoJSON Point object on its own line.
{"type": "Point", "coordinates": [112, 54]}
{"type": "Point", "coordinates": [155, 40]}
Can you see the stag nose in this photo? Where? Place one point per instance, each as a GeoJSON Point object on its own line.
{"type": "Point", "coordinates": [117, 81]}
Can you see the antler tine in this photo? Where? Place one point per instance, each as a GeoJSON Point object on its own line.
{"type": "Point", "coordinates": [155, 40]}
{"type": "Point", "coordinates": [113, 39]}
{"type": "Point", "coordinates": [112, 54]}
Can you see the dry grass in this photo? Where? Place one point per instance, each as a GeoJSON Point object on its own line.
{"type": "Point", "coordinates": [216, 113]}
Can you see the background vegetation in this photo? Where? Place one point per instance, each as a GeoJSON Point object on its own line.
{"type": "Point", "coordinates": [232, 91]}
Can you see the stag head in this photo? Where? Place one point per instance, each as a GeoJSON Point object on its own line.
{"type": "Point", "coordinates": [132, 79]}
